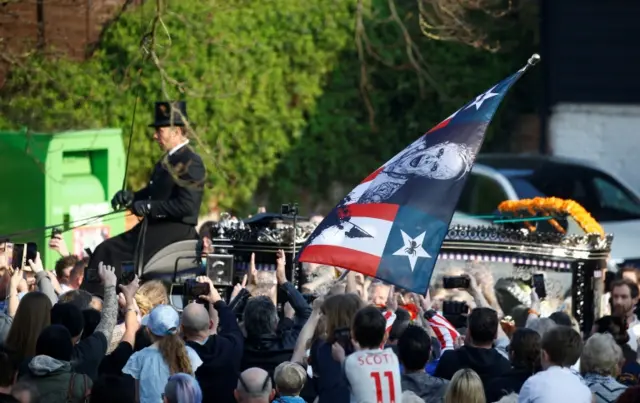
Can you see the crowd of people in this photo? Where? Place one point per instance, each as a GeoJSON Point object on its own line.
{"type": "Point", "coordinates": [359, 340]}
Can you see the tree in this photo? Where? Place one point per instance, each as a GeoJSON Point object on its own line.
{"type": "Point", "coordinates": [384, 93]}
{"type": "Point", "coordinates": [279, 93]}
{"type": "Point", "coordinates": [251, 71]}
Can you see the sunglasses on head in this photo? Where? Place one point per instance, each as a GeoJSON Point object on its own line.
{"type": "Point", "coordinates": [265, 385]}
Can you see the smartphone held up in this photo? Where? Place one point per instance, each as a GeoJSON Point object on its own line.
{"type": "Point", "coordinates": [537, 283]}
{"type": "Point", "coordinates": [18, 255]}
{"type": "Point", "coordinates": [452, 282]}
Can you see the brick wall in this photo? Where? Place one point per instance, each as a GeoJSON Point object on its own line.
{"type": "Point", "coordinates": [606, 135]}
{"type": "Point", "coordinates": [70, 26]}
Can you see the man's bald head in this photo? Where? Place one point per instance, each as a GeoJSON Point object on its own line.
{"type": "Point", "coordinates": [195, 318]}
{"type": "Point", "coordinates": [254, 384]}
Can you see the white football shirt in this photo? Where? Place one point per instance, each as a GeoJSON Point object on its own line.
{"type": "Point", "coordinates": [374, 376]}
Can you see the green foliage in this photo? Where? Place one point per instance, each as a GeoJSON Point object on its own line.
{"type": "Point", "coordinates": [273, 88]}
{"type": "Point", "coordinates": [251, 71]}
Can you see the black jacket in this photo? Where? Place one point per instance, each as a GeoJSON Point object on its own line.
{"type": "Point", "coordinates": [220, 355]}
{"type": "Point", "coordinates": [268, 351]}
{"type": "Point", "coordinates": [487, 362]}
{"type": "Point", "coordinates": [175, 188]}
{"type": "Point", "coordinates": [429, 388]}
{"type": "Point", "coordinates": [511, 382]}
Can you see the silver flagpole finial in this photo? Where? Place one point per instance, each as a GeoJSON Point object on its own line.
{"type": "Point", "coordinates": [534, 59]}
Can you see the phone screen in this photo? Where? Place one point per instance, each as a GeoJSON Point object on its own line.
{"type": "Point", "coordinates": [450, 282]}
{"type": "Point", "coordinates": [18, 259]}
{"type": "Point", "coordinates": [538, 285]}
{"type": "Point", "coordinates": [32, 251]}
{"type": "Point", "coordinates": [127, 273]}
{"type": "Point", "coordinates": [6, 251]}
{"type": "Point", "coordinates": [127, 267]}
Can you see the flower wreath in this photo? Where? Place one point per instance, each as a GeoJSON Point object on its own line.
{"type": "Point", "coordinates": [550, 206]}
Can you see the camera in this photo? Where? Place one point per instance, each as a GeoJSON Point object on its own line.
{"type": "Point", "coordinates": [193, 290]}
{"type": "Point", "coordinates": [56, 231]}
{"type": "Point", "coordinates": [451, 282]}
{"type": "Point", "coordinates": [289, 209]}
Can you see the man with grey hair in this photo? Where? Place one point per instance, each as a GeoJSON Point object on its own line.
{"type": "Point", "coordinates": [268, 341]}
{"type": "Point", "coordinates": [220, 350]}
{"type": "Point", "coordinates": [254, 386]}
{"type": "Point", "coordinates": [600, 360]}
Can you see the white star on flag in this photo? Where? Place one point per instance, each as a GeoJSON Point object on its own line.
{"type": "Point", "coordinates": [412, 248]}
{"type": "Point", "coordinates": [481, 98]}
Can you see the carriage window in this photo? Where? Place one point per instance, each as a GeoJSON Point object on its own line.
{"type": "Point", "coordinates": [481, 196]}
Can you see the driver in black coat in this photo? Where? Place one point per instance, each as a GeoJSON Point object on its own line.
{"type": "Point", "coordinates": [170, 203]}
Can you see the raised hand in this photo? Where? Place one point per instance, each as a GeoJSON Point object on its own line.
{"type": "Point", "coordinates": [238, 287]}
{"type": "Point", "coordinates": [214, 295]}
{"type": "Point", "coordinates": [58, 244]}
{"type": "Point", "coordinates": [107, 275]}
{"type": "Point", "coordinates": [281, 259]}
{"type": "Point", "coordinates": [36, 264]}
{"type": "Point", "coordinates": [281, 274]}
{"type": "Point", "coordinates": [129, 290]}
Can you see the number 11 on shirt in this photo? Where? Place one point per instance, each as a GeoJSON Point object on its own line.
{"type": "Point", "coordinates": [380, 392]}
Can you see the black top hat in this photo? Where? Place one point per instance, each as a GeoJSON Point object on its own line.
{"type": "Point", "coordinates": [164, 110]}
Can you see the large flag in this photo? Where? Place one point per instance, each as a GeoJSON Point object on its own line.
{"type": "Point", "coordinates": [391, 226]}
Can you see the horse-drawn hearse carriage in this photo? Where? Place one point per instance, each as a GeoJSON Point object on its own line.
{"type": "Point", "coordinates": [551, 236]}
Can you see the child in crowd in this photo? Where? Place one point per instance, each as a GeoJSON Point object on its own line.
{"type": "Point", "coordinates": [373, 373]}
{"type": "Point", "coordinates": [290, 378]}
{"type": "Point", "coordinates": [152, 366]}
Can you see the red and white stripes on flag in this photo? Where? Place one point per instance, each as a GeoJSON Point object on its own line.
{"type": "Point", "coordinates": [445, 332]}
{"type": "Point", "coordinates": [334, 248]}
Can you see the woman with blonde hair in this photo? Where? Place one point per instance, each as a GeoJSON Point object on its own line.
{"type": "Point", "coordinates": [168, 355]}
{"type": "Point", "coordinates": [465, 387]}
{"type": "Point", "coordinates": [151, 294]}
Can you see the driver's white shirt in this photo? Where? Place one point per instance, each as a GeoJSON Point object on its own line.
{"type": "Point", "coordinates": [176, 148]}
{"type": "Point", "coordinates": [374, 376]}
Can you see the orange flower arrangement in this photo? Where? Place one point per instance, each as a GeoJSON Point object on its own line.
{"type": "Point", "coordinates": [553, 205]}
